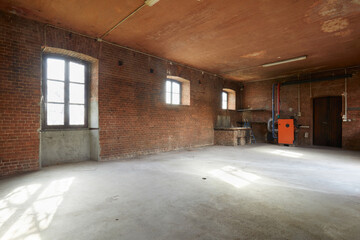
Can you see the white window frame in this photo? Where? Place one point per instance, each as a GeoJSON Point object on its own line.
{"type": "Point", "coordinates": [67, 83]}
{"type": "Point", "coordinates": [171, 92]}
{"type": "Point", "coordinates": [224, 100]}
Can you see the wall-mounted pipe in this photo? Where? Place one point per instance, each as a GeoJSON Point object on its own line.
{"type": "Point", "coordinates": [278, 101]}
{"type": "Point", "coordinates": [273, 111]}
{"type": "Point", "coordinates": [317, 79]}
{"type": "Point", "coordinates": [299, 102]}
{"type": "Point", "coordinates": [345, 117]}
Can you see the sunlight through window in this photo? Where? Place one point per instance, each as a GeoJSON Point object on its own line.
{"type": "Point", "coordinates": [234, 176]}
{"type": "Point", "coordinates": [18, 196]}
{"type": "Point", "coordinates": [39, 215]}
{"type": "Point", "coordinates": [287, 153]}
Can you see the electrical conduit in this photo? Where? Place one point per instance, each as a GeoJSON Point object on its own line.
{"type": "Point", "coordinates": [273, 111]}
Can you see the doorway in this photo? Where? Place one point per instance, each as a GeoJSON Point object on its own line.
{"type": "Point", "coordinates": [328, 121]}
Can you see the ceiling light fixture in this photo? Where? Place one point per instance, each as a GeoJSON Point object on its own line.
{"type": "Point", "coordinates": [285, 61]}
{"type": "Point", "coordinates": [151, 3]}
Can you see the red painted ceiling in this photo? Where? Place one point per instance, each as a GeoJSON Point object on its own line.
{"type": "Point", "coordinates": [231, 38]}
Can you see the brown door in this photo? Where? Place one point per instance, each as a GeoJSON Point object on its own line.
{"type": "Point", "coordinates": [327, 121]}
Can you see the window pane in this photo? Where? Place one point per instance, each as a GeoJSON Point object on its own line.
{"type": "Point", "coordinates": [55, 69]}
{"type": "Point", "coordinates": [77, 114]}
{"type": "Point", "coordinates": [175, 87]}
{"type": "Point", "coordinates": [77, 93]}
{"type": "Point", "coordinates": [168, 86]}
{"type": "Point", "coordinates": [175, 98]}
{"type": "Point", "coordinates": [224, 100]}
{"type": "Point", "coordinates": [55, 114]}
{"type": "Point", "coordinates": [77, 72]}
{"type": "Point", "coordinates": [168, 97]}
{"type": "Point", "coordinates": [55, 91]}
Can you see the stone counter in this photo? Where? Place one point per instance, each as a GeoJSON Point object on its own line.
{"type": "Point", "coordinates": [231, 136]}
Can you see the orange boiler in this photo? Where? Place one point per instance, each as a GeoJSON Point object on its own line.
{"type": "Point", "coordinates": [286, 131]}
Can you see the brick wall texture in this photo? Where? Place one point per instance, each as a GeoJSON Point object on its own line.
{"type": "Point", "coordinates": [133, 116]}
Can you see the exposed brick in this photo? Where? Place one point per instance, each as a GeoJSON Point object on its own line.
{"type": "Point", "coordinates": [133, 116]}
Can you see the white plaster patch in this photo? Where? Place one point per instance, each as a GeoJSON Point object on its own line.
{"type": "Point", "coordinates": [254, 54]}
{"type": "Point", "coordinates": [334, 25]}
{"type": "Point", "coordinates": [344, 33]}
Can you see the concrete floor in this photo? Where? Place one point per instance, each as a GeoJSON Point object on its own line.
{"type": "Point", "coordinates": [251, 192]}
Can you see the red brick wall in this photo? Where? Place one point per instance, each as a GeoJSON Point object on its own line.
{"type": "Point", "coordinates": [19, 94]}
{"type": "Point", "coordinates": [258, 95]}
{"type": "Point", "coordinates": [133, 116]}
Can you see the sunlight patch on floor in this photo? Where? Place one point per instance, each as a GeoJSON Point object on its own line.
{"type": "Point", "coordinates": [234, 176]}
{"type": "Point", "coordinates": [39, 215]}
{"type": "Point", "coordinates": [287, 153]}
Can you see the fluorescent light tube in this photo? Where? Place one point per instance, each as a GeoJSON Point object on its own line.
{"type": "Point", "coordinates": [151, 3]}
{"type": "Point", "coordinates": [285, 61]}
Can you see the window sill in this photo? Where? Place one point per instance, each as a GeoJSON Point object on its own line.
{"type": "Point", "coordinates": [176, 105]}
{"type": "Point", "coordinates": [66, 129]}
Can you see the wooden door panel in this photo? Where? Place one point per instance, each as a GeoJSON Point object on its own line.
{"type": "Point", "coordinates": [327, 121]}
{"type": "Point", "coordinates": [335, 122]}
{"type": "Point", "coordinates": [320, 121]}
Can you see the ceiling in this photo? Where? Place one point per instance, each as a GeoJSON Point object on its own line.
{"type": "Point", "coordinates": [231, 38]}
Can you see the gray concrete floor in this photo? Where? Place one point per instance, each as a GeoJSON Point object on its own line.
{"type": "Point", "coordinates": [251, 192]}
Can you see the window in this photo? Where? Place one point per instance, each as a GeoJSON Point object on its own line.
{"type": "Point", "coordinates": [228, 99]}
{"type": "Point", "coordinates": [177, 91]}
{"type": "Point", "coordinates": [224, 100]}
{"type": "Point", "coordinates": [173, 92]}
{"type": "Point", "coordinates": [65, 92]}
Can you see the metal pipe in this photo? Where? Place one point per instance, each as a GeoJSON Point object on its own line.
{"type": "Point", "coordinates": [273, 111]}
{"type": "Point", "coordinates": [316, 80]}
{"type": "Point", "coordinates": [269, 124]}
{"type": "Point", "coordinates": [288, 75]}
{"type": "Point", "coordinates": [278, 100]}
{"type": "Point", "coordinates": [299, 103]}
{"type": "Point", "coordinates": [346, 103]}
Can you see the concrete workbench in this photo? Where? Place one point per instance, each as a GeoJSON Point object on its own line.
{"type": "Point", "coordinates": [232, 136]}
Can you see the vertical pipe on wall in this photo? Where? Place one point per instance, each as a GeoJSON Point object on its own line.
{"type": "Point", "coordinates": [278, 100]}
{"type": "Point", "coordinates": [299, 103]}
{"type": "Point", "coordinates": [345, 117]}
{"type": "Point", "coordinates": [273, 111]}
{"type": "Point", "coordinates": [299, 98]}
